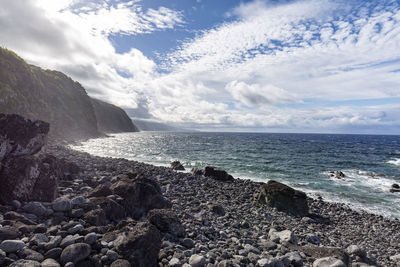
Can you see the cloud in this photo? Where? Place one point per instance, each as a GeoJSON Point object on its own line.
{"type": "Point", "coordinates": [255, 94]}
{"type": "Point", "coordinates": [257, 71]}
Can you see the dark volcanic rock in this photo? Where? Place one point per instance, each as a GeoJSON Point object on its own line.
{"type": "Point", "coordinates": [100, 191]}
{"type": "Point", "coordinates": [139, 195]}
{"type": "Point", "coordinates": [20, 136]}
{"type": "Point", "coordinates": [75, 253]}
{"type": "Point", "coordinates": [166, 221]}
{"type": "Point", "coordinates": [95, 217]}
{"type": "Point", "coordinates": [25, 173]}
{"type": "Point", "coordinates": [139, 243]}
{"type": "Point", "coordinates": [176, 165]}
{"type": "Point", "coordinates": [217, 174]}
{"type": "Point", "coordinates": [112, 209]}
{"type": "Point", "coordinates": [197, 171]}
{"type": "Point", "coordinates": [283, 198]}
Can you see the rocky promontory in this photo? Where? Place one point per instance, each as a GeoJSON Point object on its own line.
{"type": "Point", "coordinates": [115, 212]}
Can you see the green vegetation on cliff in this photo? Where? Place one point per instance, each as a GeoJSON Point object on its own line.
{"type": "Point", "coordinates": [47, 95]}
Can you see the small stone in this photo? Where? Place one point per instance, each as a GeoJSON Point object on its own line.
{"type": "Point", "coordinates": [188, 242]}
{"type": "Point", "coordinates": [69, 264]}
{"type": "Point", "coordinates": [328, 262]}
{"type": "Point", "coordinates": [53, 253]}
{"type": "Point", "coordinates": [50, 263]}
{"type": "Point", "coordinates": [68, 240]}
{"type": "Point", "coordinates": [197, 261]}
{"type": "Point", "coordinates": [120, 263]}
{"type": "Point", "coordinates": [90, 238]}
{"type": "Point", "coordinates": [25, 263]}
{"type": "Point", "coordinates": [10, 246]}
{"type": "Point", "coordinates": [54, 242]}
{"type": "Point", "coordinates": [282, 236]}
{"type": "Point", "coordinates": [2, 256]}
{"type": "Point", "coordinates": [75, 253]}
{"type": "Point", "coordinates": [16, 204]}
{"type": "Point", "coordinates": [112, 255]}
{"type": "Point", "coordinates": [62, 204]}
{"type": "Point", "coordinates": [75, 229]}
{"type": "Point", "coordinates": [295, 258]}
{"type": "Point", "coordinates": [38, 239]}
{"type": "Point", "coordinates": [174, 262]}
{"type": "Point", "coordinates": [9, 232]}
{"type": "Point", "coordinates": [356, 250]}
{"type": "Point", "coordinates": [78, 200]}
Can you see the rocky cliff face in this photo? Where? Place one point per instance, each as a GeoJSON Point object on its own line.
{"type": "Point", "coordinates": [112, 119]}
{"type": "Point", "coordinates": [53, 97]}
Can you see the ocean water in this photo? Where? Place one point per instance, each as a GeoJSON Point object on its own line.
{"type": "Point", "coordinates": [371, 163]}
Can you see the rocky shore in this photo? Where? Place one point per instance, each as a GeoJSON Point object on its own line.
{"type": "Point", "coordinates": [115, 212]}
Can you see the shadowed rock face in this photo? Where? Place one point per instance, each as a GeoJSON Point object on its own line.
{"type": "Point", "coordinates": [112, 119]}
{"type": "Point", "coordinates": [26, 173]}
{"type": "Point", "coordinates": [283, 198]}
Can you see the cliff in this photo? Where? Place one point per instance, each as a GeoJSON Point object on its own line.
{"type": "Point", "coordinates": [49, 96]}
{"type": "Point", "coordinates": [112, 119]}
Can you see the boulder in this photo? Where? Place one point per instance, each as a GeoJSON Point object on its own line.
{"type": "Point", "coordinates": [100, 191]}
{"type": "Point", "coordinates": [20, 136]}
{"type": "Point", "coordinates": [28, 178]}
{"type": "Point", "coordinates": [95, 217]}
{"type": "Point", "coordinates": [197, 261]}
{"type": "Point", "coordinates": [284, 198]}
{"type": "Point", "coordinates": [139, 195]}
{"type": "Point", "coordinates": [62, 204]}
{"type": "Point", "coordinates": [112, 209]}
{"type": "Point", "coordinates": [217, 174]}
{"type": "Point", "coordinates": [395, 188]}
{"type": "Point", "coordinates": [166, 221]}
{"type": "Point", "coordinates": [197, 171]}
{"type": "Point", "coordinates": [11, 246]}
{"type": "Point", "coordinates": [26, 173]}
{"type": "Point", "coordinates": [176, 165]}
{"type": "Point", "coordinates": [139, 243]}
{"type": "Point", "coordinates": [9, 232]}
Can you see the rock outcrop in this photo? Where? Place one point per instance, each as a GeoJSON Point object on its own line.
{"type": "Point", "coordinates": [217, 174]}
{"type": "Point", "coordinates": [26, 173]}
{"type": "Point", "coordinates": [283, 198]}
{"type": "Point", "coordinates": [112, 119]}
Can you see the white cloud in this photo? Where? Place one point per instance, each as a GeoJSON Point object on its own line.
{"type": "Point", "coordinates": [257, 71]}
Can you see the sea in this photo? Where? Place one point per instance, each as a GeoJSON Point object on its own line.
{"type": "Point", "coordinates": [370, 163]}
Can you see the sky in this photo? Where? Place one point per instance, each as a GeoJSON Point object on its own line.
{"type": "Point", "coordinates": [319, 66]}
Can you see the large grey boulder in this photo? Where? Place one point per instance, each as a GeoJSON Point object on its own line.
{"type": "Point", "coordinates": [284, 198]}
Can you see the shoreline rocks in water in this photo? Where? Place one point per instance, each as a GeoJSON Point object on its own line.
{"type": "Point", "coordinates": [115, 212]}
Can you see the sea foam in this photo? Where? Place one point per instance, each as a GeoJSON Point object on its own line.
{"type": "Point", "coordinates": [394, 161]}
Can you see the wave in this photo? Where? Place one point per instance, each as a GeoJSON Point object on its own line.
{"type": "Point", "coordinates": [394, 162]}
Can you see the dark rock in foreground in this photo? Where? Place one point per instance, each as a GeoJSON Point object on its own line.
{"type": "Point", "coordinates": [26, 173]}
{"type": "Point", "coordinates": [283, 198]}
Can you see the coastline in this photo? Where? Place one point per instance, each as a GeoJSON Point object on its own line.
{"type": "Point", "coordinates": [236, 236]}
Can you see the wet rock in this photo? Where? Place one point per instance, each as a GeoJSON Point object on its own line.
{"type": "Point", "coordinates": [166, 221]}
{"type": "Point", "coordinates": [139, 196]}
{"type": "Point", "coordinates": [283, 198]}
{"type": "Point", "coordinates": [75, 253]}
{"type": "Point", "coordinates": [139, 243]}
{"type": "Point", "coordinates": [328, 262]}
{"type": "Point", "coordinates": [337, 174]}
{"type": "Point", "coordinates": [176, 165]}
{"type": "Point", "coordinates": [217, 174]}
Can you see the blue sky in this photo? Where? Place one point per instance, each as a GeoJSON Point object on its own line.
{"type": "Point", "coordinates": [275, 66]}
